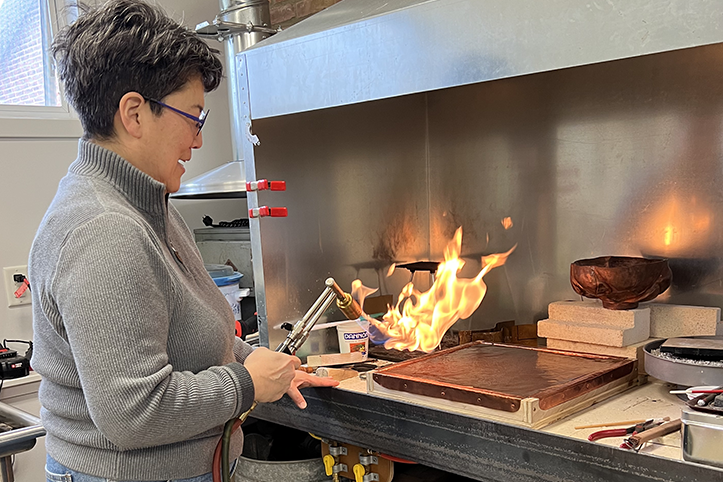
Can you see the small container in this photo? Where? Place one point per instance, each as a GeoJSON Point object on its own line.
{"type": "Point", "coordinates": [231, 291]}
{"type": "Point", "coordinates": [702, 437]}
{"type": "Point", "coordinates": [322, 339]}
{"type": "Point", "coordinates": [218, 270]}
{"type": "Point", "coordinates": [352, 337]}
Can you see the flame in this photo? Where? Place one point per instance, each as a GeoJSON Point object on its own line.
{"type": "Point", "coordinates": [507, 222]}
{"type": "Point", "coordinates": [419, 320]}
{"type": "Point", "coordinates": [391, 269]}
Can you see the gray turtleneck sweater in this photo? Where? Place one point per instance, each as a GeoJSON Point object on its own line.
{"type": "Point", "coordinates": [134, 342]}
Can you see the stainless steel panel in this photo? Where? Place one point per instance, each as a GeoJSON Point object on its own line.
{"type": "Point", "coordinates": [357, 199]}
{"type": "Point", "coordinates": [247, 144]}
{"type": "Point", "coordinates": [622, 158]}
{"type": "Point", "coordinates": [619, 158]}
{"type": "Point", "coordinates": [361, 50]}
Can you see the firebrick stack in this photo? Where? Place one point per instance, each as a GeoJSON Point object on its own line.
{"type": "Point", "coordinates": [585, 326]}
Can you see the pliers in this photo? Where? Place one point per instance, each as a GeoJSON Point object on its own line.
{"type": "Point", "coordinates": [622, 432]}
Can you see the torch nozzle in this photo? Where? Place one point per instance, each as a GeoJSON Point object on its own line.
{"type": "Point", "coordinates": [344, 301]}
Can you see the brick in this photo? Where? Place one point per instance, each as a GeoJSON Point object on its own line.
{"type": "Point", "coordinates": [304, 8]}
{"type": "Point", "coordinates": [669, 321]}
{"type": "Point", "coordinates": [281, 13]}
{"type": "Point", "coordinates": [594, 333]}
{"type": "Point", "coordinates": [288, 12]}
{"type": "Point", "coordinates": [631, 351]}
{"type": "Point", "coordinates": [592, 312]}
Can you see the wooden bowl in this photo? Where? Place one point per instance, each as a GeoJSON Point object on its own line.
{"type": "Point", "coordinates": [620, 282]}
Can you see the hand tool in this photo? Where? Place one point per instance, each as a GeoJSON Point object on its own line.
{"type": "Point", "coordinates": [294, 339]}
{"type": "Point", "coordinates": [682, 392]}
{"type": "Point", "coordinates": [705, 402]}
{"type": "Point", "coordinates": [636, 441]}
{"type": "Point", "coordinates": [611, 424]}
{"type": "Point", "coordinates": [633, 429]}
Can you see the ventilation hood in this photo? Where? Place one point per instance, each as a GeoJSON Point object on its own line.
{"type": "Point", "coordinates": [363, 50]}
{"type": "Point", "coordinates": [225, 182]}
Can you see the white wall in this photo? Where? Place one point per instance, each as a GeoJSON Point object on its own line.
{"type": "Point", "coordinates": [35, 155]}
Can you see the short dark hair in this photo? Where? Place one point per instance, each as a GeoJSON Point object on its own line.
{"type": "Point", "coordinates": [127, 46]}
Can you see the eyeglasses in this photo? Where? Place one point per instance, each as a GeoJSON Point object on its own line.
{"type": "Point", "coordinates": [200, 120]}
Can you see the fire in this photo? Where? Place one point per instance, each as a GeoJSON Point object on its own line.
{"type": "Point", "coordinates": [420, 319]}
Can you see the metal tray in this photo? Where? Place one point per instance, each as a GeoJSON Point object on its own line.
{"type": "Point", "coordinates": [702, 437]}
{"type": "Point", "coordinates": [679, 371]}
{"type": "Point", "coordinates": [501, 376]}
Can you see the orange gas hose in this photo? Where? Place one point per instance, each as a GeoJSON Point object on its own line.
{"type": "Point", "coordinates": [216, 466]}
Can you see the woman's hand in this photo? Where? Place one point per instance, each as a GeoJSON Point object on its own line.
{"type": "Point", "coordinates": [272, 373]}
{"type": "Point", "coordinates": [303, 380]}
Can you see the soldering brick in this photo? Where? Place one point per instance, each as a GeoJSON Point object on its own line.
{"type": "Point", "coordinates": [594, 333]}
{"type": "Point", "coordinates": [631, 351]}
{"type": "Point", "coordinates": [593, 313]}
{"type": "Point", "coordinates": [669, 321]}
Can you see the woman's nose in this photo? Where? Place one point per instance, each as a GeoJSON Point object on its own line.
{"type": "Point", "coordinates": [197, 141]}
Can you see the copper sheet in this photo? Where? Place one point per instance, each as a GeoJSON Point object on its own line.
{"type": "Point", "coordinates": [501, 376]}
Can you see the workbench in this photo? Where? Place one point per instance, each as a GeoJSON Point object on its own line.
{"type": "Point", "coordinates": [489, 450]}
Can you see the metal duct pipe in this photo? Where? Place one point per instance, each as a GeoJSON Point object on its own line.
{"type": "Point", "coordinates": [240, 24]}
{"type": "Point", "coordinates": [248, 15]}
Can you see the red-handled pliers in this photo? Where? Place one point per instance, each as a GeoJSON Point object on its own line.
{"type": "Point", "coordinates": [622, 432]}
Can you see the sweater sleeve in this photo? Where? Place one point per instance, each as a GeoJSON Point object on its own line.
{"type": "Point", "coordinates": [241, 350]}
{"type": "Point", "coordinates": [113, 292]}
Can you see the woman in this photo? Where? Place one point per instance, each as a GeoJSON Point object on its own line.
{"type": "Point", "coordinates": [133, 340]}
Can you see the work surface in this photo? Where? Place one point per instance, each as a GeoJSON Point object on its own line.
{"type": "Point", "coordinates": [650, 400]}
{"type": "Point", "coordinates": [489, 450]}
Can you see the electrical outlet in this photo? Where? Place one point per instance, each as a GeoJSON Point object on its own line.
{"type": "Point", "coordinates": [11, 285]}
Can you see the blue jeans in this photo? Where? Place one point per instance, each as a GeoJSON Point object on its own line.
{"type": "Point", "coordinates": [57, 472]}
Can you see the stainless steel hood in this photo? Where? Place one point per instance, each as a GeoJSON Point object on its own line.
{"type": "Point", "coordinates": [225, 182]}
{"type": "Point", "coordinates": [362, 50]}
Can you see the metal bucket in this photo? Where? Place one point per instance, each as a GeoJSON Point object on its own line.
{"type": "Point", "coordinates": [249, 470]}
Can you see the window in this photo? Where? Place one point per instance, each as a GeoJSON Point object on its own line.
{"type": "Point", "coordinates": [28, 84]}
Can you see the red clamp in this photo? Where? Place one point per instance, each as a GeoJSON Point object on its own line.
{"type": "Point", "coordinates": [264, 211]}
{"type": "Point", "coordinates": [263, 185]}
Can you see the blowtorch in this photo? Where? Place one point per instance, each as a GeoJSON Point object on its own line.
{"type": "Point", "coordinates": [294, 339]}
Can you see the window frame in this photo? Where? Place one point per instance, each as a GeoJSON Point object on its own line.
{"type": "Point", "coordinates": [56, 14]}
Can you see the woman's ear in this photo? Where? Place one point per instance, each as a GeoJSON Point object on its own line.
{"type": "Point", "coordinates": [132, 114]}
